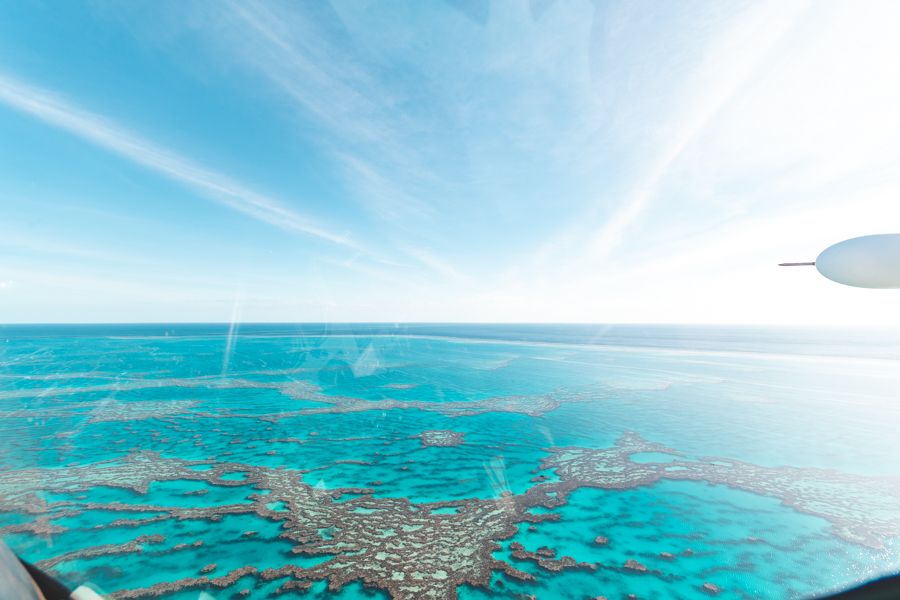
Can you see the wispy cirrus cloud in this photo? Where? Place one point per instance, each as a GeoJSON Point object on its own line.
{"type": "Point", "coordinates": [729, 62]}
{"type": "Point", "coordinates": [12, 240]}
{"type": "Point", "coordinates": [308, 59]}
{"type": "Point", "coordinates": [53, 110]}
{"type": "Point", "coordinates": [707, 77]}
{"type": "Point", "coordinates": [438, 264]}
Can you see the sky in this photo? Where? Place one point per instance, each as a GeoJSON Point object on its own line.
{"type": "Point", "coordinates": [456, 160]}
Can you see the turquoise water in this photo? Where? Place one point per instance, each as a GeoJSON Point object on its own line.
{"type": "Point", "coordinates": [373, 461]}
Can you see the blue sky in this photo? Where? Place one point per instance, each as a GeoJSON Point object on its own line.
{"type": "Point", "coordinates": [443, 161]}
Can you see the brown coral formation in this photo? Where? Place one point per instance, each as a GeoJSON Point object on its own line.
{"type": "Point", "coordinates": [136, 545]}
{"type": "Point", "coordinates": [711, 588]}
{"type": "Point", "coordinates": [417, 550]}
{"type": "Point", "coordinates": [633, 565]}
{"type": "Point", "coordinates": [535, 405]}
{"type": "Point", "coordinates": [107, 411]}
{"type": "Point", "coordinates": [861, 509]}
{"type": "Point", "coordinates": [441, 437]}
{"type": "Point", "coordinates": [544, 557]}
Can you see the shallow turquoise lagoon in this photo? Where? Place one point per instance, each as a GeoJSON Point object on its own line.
{"type": "Point", "coordinates": [376, 461]}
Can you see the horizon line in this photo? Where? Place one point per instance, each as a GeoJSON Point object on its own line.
{"type": "Point", "coordinates": [394, 323]}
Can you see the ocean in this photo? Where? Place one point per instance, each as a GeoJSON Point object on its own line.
{"type": "Point", "coordinates": [445, 460]}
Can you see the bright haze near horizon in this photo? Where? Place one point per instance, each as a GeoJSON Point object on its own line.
{"type": "Point", "coordinates": [444, 161]}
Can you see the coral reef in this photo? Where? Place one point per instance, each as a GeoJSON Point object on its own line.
{"type": "Point", "coordinates": [441, 437]}
{"type": "Point", "coordinates": [421, 550]}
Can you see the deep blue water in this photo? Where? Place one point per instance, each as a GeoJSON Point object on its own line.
{"type": "Point", "coordinates": [345, 406]}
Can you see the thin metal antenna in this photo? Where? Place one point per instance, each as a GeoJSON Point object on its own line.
{"type": "Point", "coordinates": [805, 264]}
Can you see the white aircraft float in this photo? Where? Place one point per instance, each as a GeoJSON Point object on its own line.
{"type": "Point", "coordinates": [871, 261]}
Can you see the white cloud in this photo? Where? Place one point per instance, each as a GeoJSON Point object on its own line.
{"type": "Point", "coordinates": [438, 265]}
{"type": "Point", "coordinates": [730, 60]}
{"type": "Point", "coordinates": [103, 132]}
{"type": "Point", "coordinates": [332, 84]}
